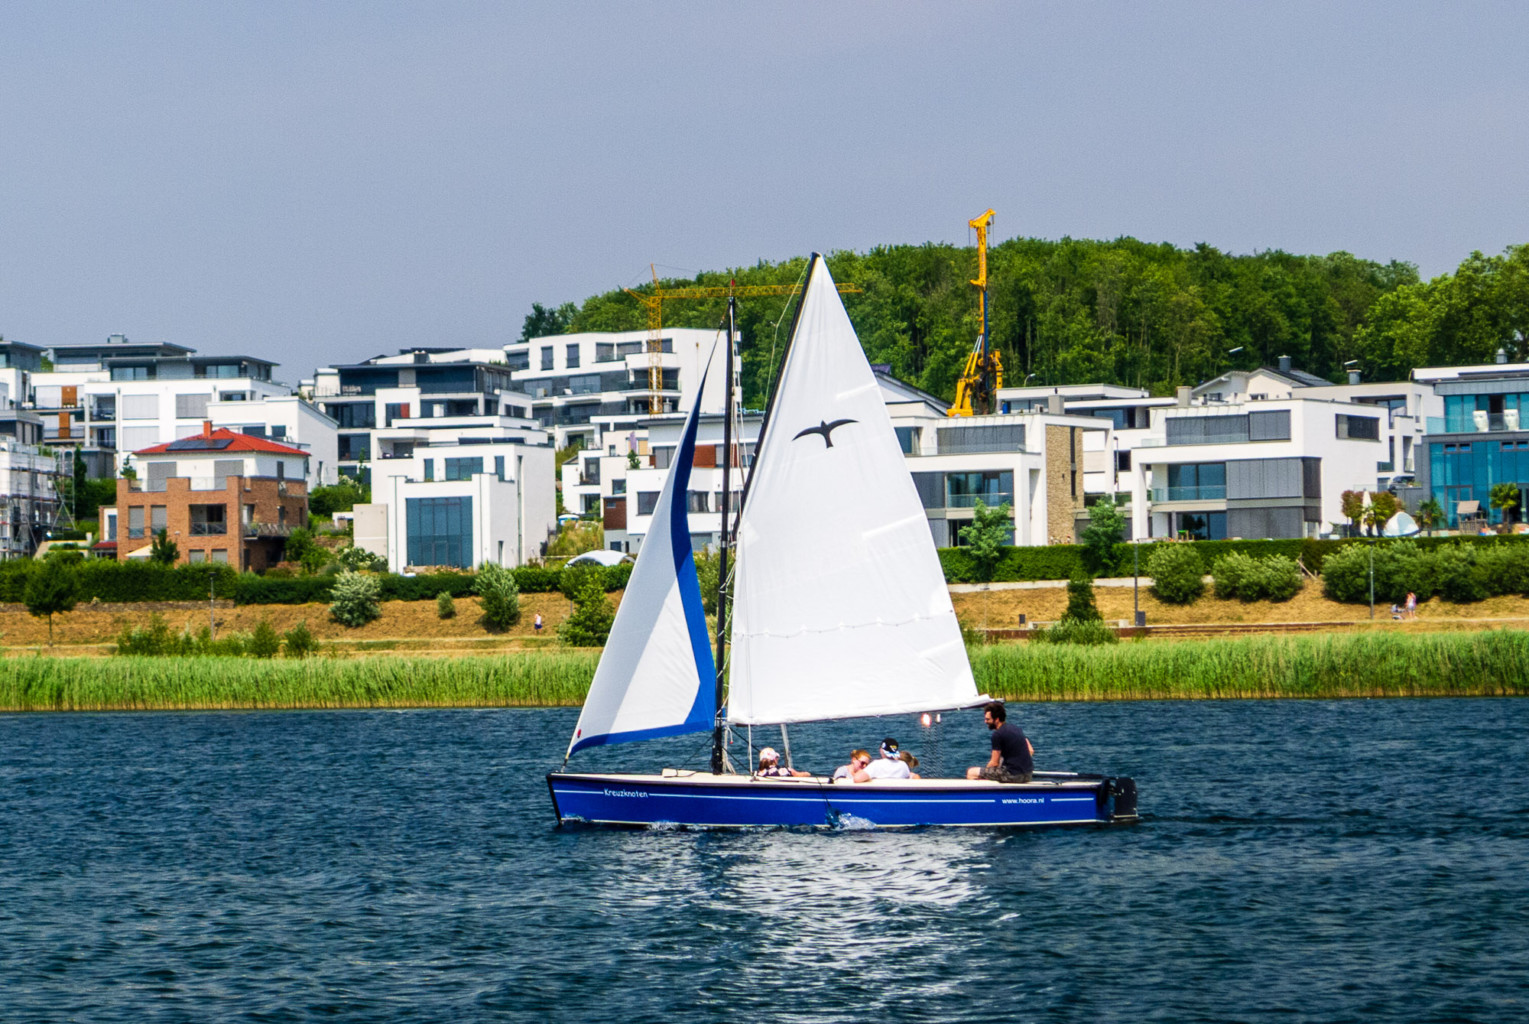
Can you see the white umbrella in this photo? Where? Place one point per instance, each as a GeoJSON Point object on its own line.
{"type": "Point", "coordinates": [1400, 525]}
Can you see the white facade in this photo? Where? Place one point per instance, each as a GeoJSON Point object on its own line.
{"type": "Point", "coordinates": [142, 413]}
{"type": "Point", "coordinates": [466, 504]}
{"type": "Point", "coordinates": [703, 497]}
{"type": "Point", "coordinates": [289, 420]}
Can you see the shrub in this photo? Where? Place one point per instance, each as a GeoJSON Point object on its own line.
{"type": "Point", "coordinates": [1178, 573]}
{"type": "Point", "coordinates": [590, 623]}
{"type": "Point", "coordinates": [1080, 600]}
{"type": "Point", "coordinates": [163, 550]}
{"type": "Point", "coordinates": [708, 566]}
{"type": "Point", "coordinates": [1101, 536]}
{"type": "Point", "coordinates": [315, 558]}
{"type": "Point", "coordinates": [354, 599]}
{"type": "Point", "coordinates": [1456, 576]}
{"type": "Point", "coordinates": [1273, 578]}
{"type": "Point", "coordinates": [1346, 575]}
{"type": "Point", "coordinates": [576, 577]}
{"type": "Point", "coordinates": [1074, 631]}
{"type": "Point", "coordinates": [152, 639]}
{"type": "Point", "coordinates": [299, 543]}
{"type": "Point", "coordinates": [985, 537]}
{"type": "Point", "coordinates": [51, 589]}
{"type": "Point", "coordinates": [500, 597]}
{"type": "Point", "coordinates": [264, 643]}
{"type": "Point", "coordinates": [361, 560]}
{"type": "Point", "coordinates": [1504, 568]}
{"type": "Point", "coordinates": [300, 641]}
{"type": "Point", "coordinates": [445, 606]}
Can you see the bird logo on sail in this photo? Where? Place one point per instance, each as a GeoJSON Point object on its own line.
{"type": "Point", "coordinates": [826, 429]}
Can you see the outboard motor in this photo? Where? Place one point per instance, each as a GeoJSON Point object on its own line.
{"type": "Point", "coordinates": [1119, 798]}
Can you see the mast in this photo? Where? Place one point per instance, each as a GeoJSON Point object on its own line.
{"type": "Point", "coordinates": [725, 541]}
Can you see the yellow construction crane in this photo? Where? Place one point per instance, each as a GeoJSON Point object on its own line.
{"type": "Point", "coordinates": [977, 389]}
{"type": "Point", "coordinates": [655, 306]}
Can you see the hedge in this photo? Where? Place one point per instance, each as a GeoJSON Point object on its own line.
{"type": "Point", "coordinates": [1058, 562]}
{"type": "Point", "coordinates": [130, 582]}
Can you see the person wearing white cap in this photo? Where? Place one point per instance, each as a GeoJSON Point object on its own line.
{"type": "Point", "coordinates": [770, 767]}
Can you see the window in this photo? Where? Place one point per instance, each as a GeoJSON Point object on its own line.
{"type": "Point", "coordinates": [279, 431]}
{"type": "Point", "coordinates": [697, 501]}
{"type": "Point", "coordinates": [220, 556]}
{"type": "Point", "coordinates": [499, 466]}
{"type": "Point", "coordinates": [605, 352]}
{"type": "Point", "coordinates": [429, 469]}
{"type": "Point", "coordinates": [140, 407]}
{"type": "Point", "coordinates": [354, 415]}
{"type": "Point", "coordinates": [628, 348]}
{"type": "Point", "coordinates": [907, 439]}
{"type": "Point", "coordinates": [209, 520]}
{"type": "Point", "coordinates": [662, 457]}
{"type": "Point", "coordinates": [1269, 426]}
{"type": "Point", "coordinates": [1359, 428]}
{"type": "Point", "coordinates": [354, 447]}
{"type": "Point", "coordinates": [992, 488]}
{"type": "Point", "coordinates": [1202, 525]}
{"type": "Point", "coordinates": [618, 487]}
{"type": "Point", "coordinates": [159, 518]}
{"type": "Point", "coordinates": [1195, 481]}
{"type": "Point", "coordinates": [591, 471]}
{"type": "Point", "coordinates": [979, 439]}
{"type": "Point", "coordinates": [646, 502]}
{"type": "Point", "coordinates": [463, 469]}
{"type": "Point", "coordinates": [131, 373]}
{"type": "Point", "coordinates": [255, 431]}
{"type": "Point", "coordinates": [547, 357]}
{"type": "Point", "coordinates": [585, 384]}
{"type": "Point", "coordinates": [135, 522]}
{"type": "Point", "coordinates": [196, 557]}
{"type": "Point", "coordinates": [281, 514]}
{"type": "Point", "coordinates": [1122, 461]}
{"type": "Point", "coordinates": [190, 407]}
{"type": "Point", "coordinates": [440, 531]}
{"type": "Point", "coordinates": [573, 356]}
{"type": "Point", "coordinates": [394, 411]}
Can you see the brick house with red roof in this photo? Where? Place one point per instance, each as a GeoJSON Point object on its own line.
{"type": "Point", "coordinates": [222, 496]}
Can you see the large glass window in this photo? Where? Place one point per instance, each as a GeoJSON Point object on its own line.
{"type": "Point", "coordinates": [991, 487]}
{"type": "Point", "coordinates": [209, 520]}
{"type": "Point", "coordinates": [440, 531]}
{"type": "Point", "coordinates": [1195, 481]}
{"type": "Point", "coordinates": [1202, 525]}
{"type": "Point", "coordinates": [353, 415]}
{"type": "Point", "coordinates": [463, 469]}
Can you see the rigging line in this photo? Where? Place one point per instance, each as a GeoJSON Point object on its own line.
{"type": "Point", "coordinates": [799, 291]}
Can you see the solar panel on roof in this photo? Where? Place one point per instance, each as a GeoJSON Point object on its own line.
{"type": "Point", "coordinates": [199, 444]}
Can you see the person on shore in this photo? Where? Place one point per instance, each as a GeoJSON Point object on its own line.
{"type": "Point", "coordinates": [1013, 758]}
{"type": "Point", "coordinates": [858, 759]}
{"type": "Point", "coordinates": [537, 623]}
{"type": "Point", "coordinates": [1412, 605]}
{"type": "Point", "coordinates": [899, 767]}
{"type": "Point", "coordinates": [770, 766]}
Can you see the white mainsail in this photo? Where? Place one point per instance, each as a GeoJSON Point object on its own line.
{"type": "Point", "coordinates": [656, 676]}
{"type": "Point", "coordinates": [841, 608]}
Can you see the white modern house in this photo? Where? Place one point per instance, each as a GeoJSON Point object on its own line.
{"type": "Point", "coordinates": [461, 505]}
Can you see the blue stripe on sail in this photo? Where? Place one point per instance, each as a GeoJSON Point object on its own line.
{"type": "Point", "coordinates": [702, 713]}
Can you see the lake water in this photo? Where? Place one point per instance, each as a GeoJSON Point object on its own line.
{"type": "Point", "coordinates": [1298, 860]}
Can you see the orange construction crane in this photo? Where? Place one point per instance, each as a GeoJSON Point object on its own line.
{"type": "Point", "coordinates": [655, 306]}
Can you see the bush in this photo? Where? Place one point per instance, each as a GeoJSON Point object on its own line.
{"type": "Point", "coordinates": [576, 578]}
{"type": "Point", "coordinates": [299, 543]}
{"type": "Point", "coordinates": [1101, 537]}
{"type": "Point", "coordinates": [361, 560]}
{"type": "Point", "coordinates": [445, 607]}
{"type": "Point", "coordinates": [1273, 578]}
{"type": "Point", "coordinates": [52, 589]}
{"type": "Point", "coordinates": [300, 641]}
{"type": "Point", "coordinates": [1178, 573]}
{"type": "Point", "coordinates": [500, 597]}
{"type": "Point", "coordinates": [1080, 600]}
{"type": "Point", "coordinates": [708, 565]}
{"type": "Point", "coordinates": [157, 640]}
{"type": "Point", "coordinates": [354, 599]}
{"type": "Point", "coordinates": [315, 559]}
{"type": "Point", "coordinates": [1074, 631]}
{"type": "Point", "coordinates": [1456, 576]}
{"type": "Point", "coordinates": [264, 643]}
{"type": "Point", "coordinates": [590, 623]}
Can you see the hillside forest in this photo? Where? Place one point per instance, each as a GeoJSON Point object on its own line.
{"type": "Point", "coordinates": [1126, 312]}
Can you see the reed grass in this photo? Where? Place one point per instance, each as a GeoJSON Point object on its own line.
{"type": "Point", "coordinates": [1489, 663]}
{"type": "Point", "coordinates": [1467, 664]}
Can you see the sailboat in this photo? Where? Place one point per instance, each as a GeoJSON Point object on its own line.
{"type": "Point", "coordinates": [838, 608]}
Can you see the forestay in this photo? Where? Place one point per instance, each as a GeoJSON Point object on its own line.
{"type": "Point", "coordinates": [841, 605]}
{"type": "Point", "coordinates": [656, 676]}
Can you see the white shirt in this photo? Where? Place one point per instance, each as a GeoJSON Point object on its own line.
{"type": "Point", "coordinates": [886, 768]}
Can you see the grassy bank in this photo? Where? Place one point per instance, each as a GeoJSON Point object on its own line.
{"type": "Point", "coordinates": [1485, 663]}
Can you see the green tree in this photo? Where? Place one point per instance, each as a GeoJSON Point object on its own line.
{"type": "Point", "coordinates": [356, 599]}
{"type": "Point", "coordinates": [542, 322]}
{"type": "Point", "coordinates": [1430, 514]}
{"type": "Point", "coordinates": [1103, 532]}
{"type": "Point", "coordinates": [163, 550]}
{"type": "Point", "coordinates": [990, 530]}
{"type": "Point", "coordinates": [590, 623]}
{"type": "Point", "coordinates": [300, 641]}
{"type": "Point", "coordinates": [498, 595]}
{"type": "Point", "coordinates": [1383, 505]}
{"type": "Point", "coordinates": [343, 496]}
{"type": "Point", "coordinates": [445, 605]}
{"type": "Point", "coordinates": [1081, 606]}
{"type": "Point", "coordinates": [264, 642]}
{"type": "Point", "coordinates": [1351, 504]}
{"type": "Point", "coordinates": [51, 589]}
{"type": "Point", "coordinates": [1504, 498]}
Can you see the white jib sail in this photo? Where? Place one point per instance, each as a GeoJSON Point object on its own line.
{"type": "Point", "coordinates": [841, 605]}
{"type": "Point", "coordinates": [656, 676]}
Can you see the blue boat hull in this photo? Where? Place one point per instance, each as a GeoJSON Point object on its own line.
{"type": "Point", "coordinates": [702, 800]}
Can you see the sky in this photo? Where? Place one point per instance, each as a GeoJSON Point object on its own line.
{"type": "Point", "coordinates": [318, 183]}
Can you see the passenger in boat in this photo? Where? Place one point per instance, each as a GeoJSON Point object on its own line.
{"type": "Point", "coordinates": [900, 767]}
{"type": "Point", "coordinates": [889, 748]}
{"type": "Point", "coordinates": [858, 759]}
{"type": "Point", "coordinates": [770, 767]}
{"type": "Point", "coordinates": [1013, 758]}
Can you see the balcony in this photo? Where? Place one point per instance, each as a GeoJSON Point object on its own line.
{"type": "Point", "coordinates": [209, 529]}
{"type": "Point", "coordinates": [1202, 492]}
{"type": "Point", "coordinates": [991, 500]}
{"type": "Point", "coordinates": [1476, 423]}
{"type": "Point", "coordinates": [268, 529]}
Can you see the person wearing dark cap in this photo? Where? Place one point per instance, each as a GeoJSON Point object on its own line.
{"type": "Point", "coordinates": [889, 749]}
{"type": "Point", "coordinates": [1013, 758]}
{"type": "Point", "coordinates": [899, 766]}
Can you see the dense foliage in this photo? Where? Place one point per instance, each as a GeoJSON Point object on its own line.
{"type": "Point", "coordinates": [1178, 573]}
{"type": "Point", "coordinates": [590, 623]}
{"type": "Point", "coordinates": [1241, 576]}
{"type": "Point", "coordinates": [1122, 311]}
{"type": "Point", "coordinates": [354, 599]}
{"type": "Point", "coordinates": [1459, 573]}
{"type": "Point", "coordinates": [1081, 623]}
{"type": "Point", "coordinates": [498, 596]}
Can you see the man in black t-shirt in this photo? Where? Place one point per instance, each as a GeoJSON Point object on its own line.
{"type": "Point", "coordinates": [1013, 757]}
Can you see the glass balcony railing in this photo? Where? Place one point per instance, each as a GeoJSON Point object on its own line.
{"type": "Point", "coordinates": [1203, 492]}
{"type": "Point", "coordinates": [991, 500]}
{"type": "Point", "coordinates": [1476, 422]}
